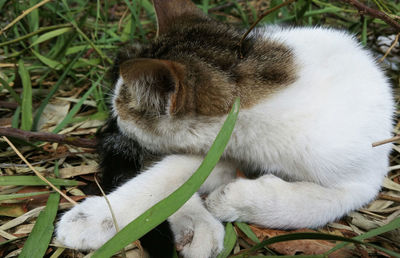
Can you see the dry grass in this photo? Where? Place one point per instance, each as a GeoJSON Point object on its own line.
{"type": "Point", "coordinates": [52, 63]}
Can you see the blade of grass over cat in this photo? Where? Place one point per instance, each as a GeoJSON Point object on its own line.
{"type": "Point", "coordinates": [229, 241]}
{"type": "Point", "coordinates": [39, 239]}
{"type": "Point", "coordinates": [163, 209]}
{"type": "Point", "coordinates": [34, 180]}
{"type": "Point", "coordinates": [26, 103]}
{"type": "Point", "coordinates": [77, 106]}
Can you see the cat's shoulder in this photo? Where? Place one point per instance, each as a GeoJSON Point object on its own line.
{"type": "Point", "coordinates": [307, 33]}
{"type": "Point", "coordinates": [316, 39]}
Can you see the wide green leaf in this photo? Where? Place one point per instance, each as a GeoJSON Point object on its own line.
{"type": "Point", "coordinates": [166, 207]}
{"type": "Point", "coordinates": [39, 239]}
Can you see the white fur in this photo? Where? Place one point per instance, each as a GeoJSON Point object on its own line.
{"type": "Point", "coordinates": [312, 140]}
{"type": "Point", "coordinates": [89, 225]}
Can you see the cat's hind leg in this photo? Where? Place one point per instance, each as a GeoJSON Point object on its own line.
{"type": "Point", "coordinates": [272, 202]}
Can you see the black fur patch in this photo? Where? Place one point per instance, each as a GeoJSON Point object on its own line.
{"type": "Point", "coordinates": [122, 158]}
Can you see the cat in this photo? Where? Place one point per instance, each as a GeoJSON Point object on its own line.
{"type": "Point", "coordinates": [312, 102]}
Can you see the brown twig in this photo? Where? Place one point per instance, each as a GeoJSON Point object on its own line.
{"type": "Point", "coordinates": [393, 139]}
{"type": "Point", "coordinates": [390, 48]}
{"type": "Point", "coordinates": [258, 20]}
{"type": "Point", "coordinates": [47, 137]}
{"type": "Point", "coordinates": [362, 8]}
{"type": "Point", "coordinates": [24, 13]}
{"type": "Point", "coordinates": [37, 173]}
{"type": "Point", "coordinates": [389, 198]}
{"type": "Point", "coordinates": [9, 105]}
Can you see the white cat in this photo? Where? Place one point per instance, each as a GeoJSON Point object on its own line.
{"type": "Point", "coordinates": [308, 132]}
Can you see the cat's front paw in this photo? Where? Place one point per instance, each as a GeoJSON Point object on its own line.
{"type": "Point", "coordinates": [87, 226]}
{"type": "Point", "coordinates": [199, 236]}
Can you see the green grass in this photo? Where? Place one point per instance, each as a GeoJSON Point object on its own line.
{"type": "Point", "coordinates": [66, 46]}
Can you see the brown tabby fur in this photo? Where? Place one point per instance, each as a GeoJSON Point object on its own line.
{"type": "Point", "coordinates": [195, 65]}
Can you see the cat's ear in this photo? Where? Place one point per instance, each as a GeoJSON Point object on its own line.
{"type": "Point", "coordinates": [157, 79]}
{"type": "Point", "coordinates": [168, 11]}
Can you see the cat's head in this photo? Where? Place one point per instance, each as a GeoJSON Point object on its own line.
{"type": "Point", "coordinates": [194, 69]}
{"type": "Point", "coordinates": [178, 73]}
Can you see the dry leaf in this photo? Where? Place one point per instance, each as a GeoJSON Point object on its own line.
{"type": "Point", "coordinates": [53, 114]}
{"type": "Point", "coordinates": [12, 210]}
{"type": "Point", "coordinates": [77, 171]}
{"type": "Point", "coordinates": [24, 229]}
{"type": "Point", "coordinates": [306, 247]}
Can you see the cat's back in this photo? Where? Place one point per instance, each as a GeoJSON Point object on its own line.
{"type": "Point", "coordinates": [334, 75]}
{"type": "Point", "coordinates": [339, 104]}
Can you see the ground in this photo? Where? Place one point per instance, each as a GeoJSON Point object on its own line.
{"type": "Point", "coordinates": [53, 78]}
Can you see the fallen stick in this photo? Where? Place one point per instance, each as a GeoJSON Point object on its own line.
{"type": "Point", "coordinates": [363, 9]}
{"type": "Point", "coordinates": [47, 137]}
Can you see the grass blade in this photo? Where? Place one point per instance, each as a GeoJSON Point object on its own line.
{"type": "Point", "coordinates": [247, 231]}
{"type": "Point", "coordinates": [38, 31]}
{"type": "Point", "coordinates": [26, 105]}
{"type": "Point", "coordinates": [395, 224]}
{"type": "Point", "coordinates": [12, 240]}
{"type": "Point", "coordinates": [229, 241]}
{"type": "Point", "coordinates": [50, 35]}
{"type": "Point", "coordinates": [54, 90]}
{"type": "Point", "coordinates": [11, 90]}
{"type": "Point", "coordinates": [47, 61]}
{"type": "Point", "coordinates": [34, 180]}
{"type": "Point", "coordinates": [165, 208]}
{"type": "Point", "coordinates": [364, 31]}
{"type": "Point", "coordinates": [15, 118]}
{"type": "Point", "coordinates": [77, 106]}
{"type": "Point", "coordinates": [4, 197]}
{"type": "Point", "coordinates": [39, 239]}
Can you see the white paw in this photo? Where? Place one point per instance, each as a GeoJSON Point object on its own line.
{"type": "Point", "coordinates": [87, 226]}
{"type": "Point", "coordinates": [221, 203]}
{"type": "Point", "coordinates": [197, 237]}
